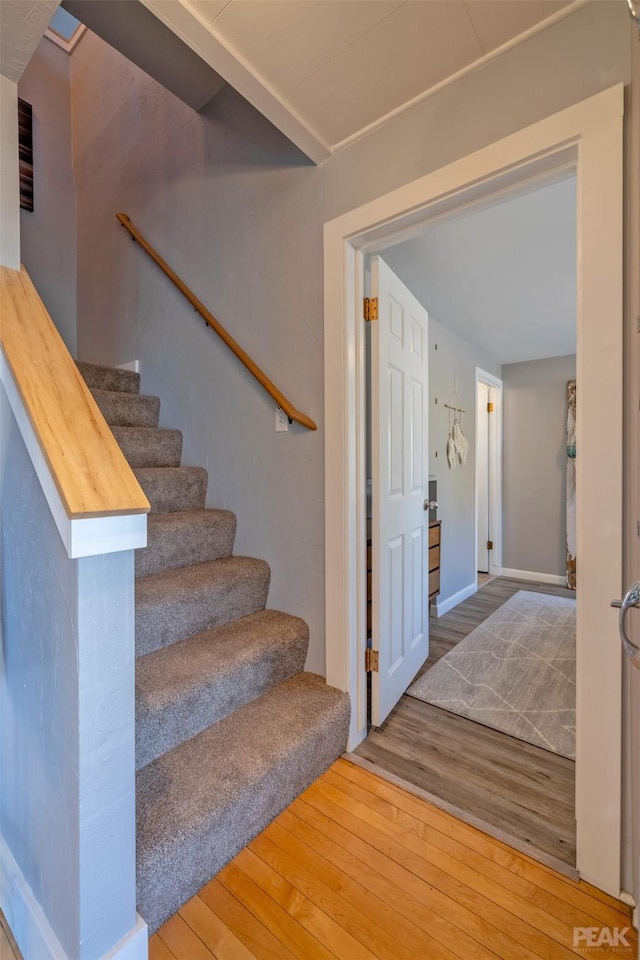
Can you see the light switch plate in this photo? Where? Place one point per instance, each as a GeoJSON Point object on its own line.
{"type": "Point", "coordinates": [282, 420]}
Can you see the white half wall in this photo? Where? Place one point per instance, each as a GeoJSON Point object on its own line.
{"type": "Point", "coordinates": [67, 729]}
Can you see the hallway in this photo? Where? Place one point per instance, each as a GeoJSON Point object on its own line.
{"type": "Point", "coordinates": [514, 790]}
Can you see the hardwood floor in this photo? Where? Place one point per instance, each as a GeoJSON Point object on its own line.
{"type": "Point", "coordinates": [359, 869]}
{"type": "Point", "coordinates": [513, 789]}
{"type": "Point", "coordinates": [8, 948]}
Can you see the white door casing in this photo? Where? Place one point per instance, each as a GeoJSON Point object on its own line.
{"type": "Point", "coordinates": [399, 415]}
{"type": "Point", "coordinates": [586, 138]}
{"type": "Point", "coordinates": [494, 470]}
{"type": "Point", "coordinates": [482, 477]}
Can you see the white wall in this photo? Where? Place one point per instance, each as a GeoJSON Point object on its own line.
{"type": "Point", "coordinates": [9, 177]}
{"type": "Point", "coordinates": [452, 357]}
{"type": "Point", "coordinates": [48, 234]}
{"type": "Point", "coordinates": [534, 464]}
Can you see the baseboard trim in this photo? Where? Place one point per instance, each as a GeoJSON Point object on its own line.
{"type": "Point", "coordinates": [31, 929]}
{"type": "Point", "coordinates": [443, 606]}
{"type": "Point", "coordinates": [133, 365]}
{"type": "Point", "coordinates": [530, 575]}
{"type": "Point", "coordinates": [26, 918]}
{"type": "Point", "coordinates": [133, 946]}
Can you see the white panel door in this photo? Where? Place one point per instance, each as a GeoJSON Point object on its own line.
{"type": "Point", "coordinates": [399, 410]}
{"type": "Point", "coordinates": [482, 477]}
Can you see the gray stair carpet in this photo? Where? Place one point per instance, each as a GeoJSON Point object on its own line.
{"type": "Point", "coordinates": [185, 537]}
{"type": "Point", "coordinates": [127, 409]}
{"type": "Point", "coordinates": [187, 686]}
{"type": "Point", "coordinates": [109, 378]}
{"type": "Point", "coordinates": [149, 446]}
{"type": "Point", "coordinates": [173, 488]}
{"type": "Point", "coordinates": [229, 729]}
{"type": "Point", "coordinates": [177, 604]}
{"type": "Point", "coordinates": [199, 804]}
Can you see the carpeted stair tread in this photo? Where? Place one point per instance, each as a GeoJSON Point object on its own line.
{"type": "Point", "coordinates": [177, 604]}
{"type": "Point", "coordinates": [185, 537]}
{"type": "Point", "coordinates": [229, 730]}
{"type": "Point", "coordinates": [98, 377]}
{"type": "Point", "coordinates": [149, 446]}
{"type": "Point", "coordinates": [199, 804]}
{"type": "Point", "coordinates": [169, 489]}
{"type": "Point", "coordinates": [187, 686]}
{"type": "Point", "coordinates": [128, 409]}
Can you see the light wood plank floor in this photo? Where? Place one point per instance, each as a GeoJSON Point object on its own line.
{"type": "Point", "coordinates": [8, 948]}
{"type": "Point", "coordinates": [513, 788]}
{"type": "Point", "coordinates": [358, 869]}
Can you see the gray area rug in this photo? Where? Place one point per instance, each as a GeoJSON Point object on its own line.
{"type": "Point", "coordinates": [516, 672]}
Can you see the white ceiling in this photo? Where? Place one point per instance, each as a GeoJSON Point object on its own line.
{"type": "Point", "coordinates": [22, 25]}
{"type": "Point", "coordinates": [325, 71]}
{"type": "Point", "coordinates": [503, 277]}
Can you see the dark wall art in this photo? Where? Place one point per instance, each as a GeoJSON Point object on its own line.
{"type": "Point", "coordinates": [25, 151]}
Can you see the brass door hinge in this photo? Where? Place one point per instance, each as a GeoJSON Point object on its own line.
{"type": "Point", "coordinates": [489, 544]}
{"type": "Point", "coordinates": [489, 408]}
{"type": "Point", "coordinates": [371, 660]}
{"type": "Point", "coordinates": [370, 308]}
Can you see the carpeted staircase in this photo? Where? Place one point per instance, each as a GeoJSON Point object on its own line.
{"type": "Point", "coordinates": [229, 729]}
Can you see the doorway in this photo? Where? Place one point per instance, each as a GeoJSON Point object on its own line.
{"type": "Point", "coordinates": [595, 126]}
{"type": "Point", "coordinates": [488, 476]}
{"type": "Point", "coordinates": [490, 712]}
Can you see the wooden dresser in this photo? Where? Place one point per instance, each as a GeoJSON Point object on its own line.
{"type": "Point", "coordinates": [435, 534]}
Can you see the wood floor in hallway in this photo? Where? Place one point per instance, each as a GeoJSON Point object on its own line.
{"type": "Point", "coordinates": [358, 868]}
{"type": "Point", "coordinates": [510, 788]}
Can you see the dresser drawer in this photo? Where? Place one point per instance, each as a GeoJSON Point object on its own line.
{"type": "Point", "coordinates": [434, 558]}
{"type": "Point", "coordinates": [434, 535]}
{"type": "Point", "coordinates": [434, 582]}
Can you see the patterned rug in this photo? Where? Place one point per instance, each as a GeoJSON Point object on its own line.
{"type": "Point", "coordinates": [516, 672]}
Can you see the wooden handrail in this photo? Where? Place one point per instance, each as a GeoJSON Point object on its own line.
{"type": "Point", "coordinates": [206, 315]}
{"type": "Point", "coordinates": [86, 464]}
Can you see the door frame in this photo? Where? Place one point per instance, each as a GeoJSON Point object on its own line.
{"type": "Point", "coordinates": [495, 474]}
{"type": "Point", "coordinates": [586, 138]}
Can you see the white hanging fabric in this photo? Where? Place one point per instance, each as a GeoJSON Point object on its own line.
{"type": "Point", "coordinates": [457, 443]}
{"type": "Point", "coordinates": [451, 452]}
{"type": "Point", "coordinates": [451, 446]}
{"type": "Point", "coordinates": [460, 441]}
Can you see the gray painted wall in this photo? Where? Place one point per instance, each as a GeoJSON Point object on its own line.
{"type": "Point", "coordinates": [67, 803]}
{"type": "Point", "coordinates": [48, 235]}
{"type": "Point", "coordinates": [449, 357]}
{"type": "Point", "coordinates": [534, 464]}
{"type": "Point", "coordinates": [239, 213]}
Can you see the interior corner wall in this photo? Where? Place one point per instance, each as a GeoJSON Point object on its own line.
{"type": "Point", "coordinates": [454, 360]}
{"type": "Point", "coordinates": [535, 464]}
{"type": "Point", "coordinates": [48, 234]}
